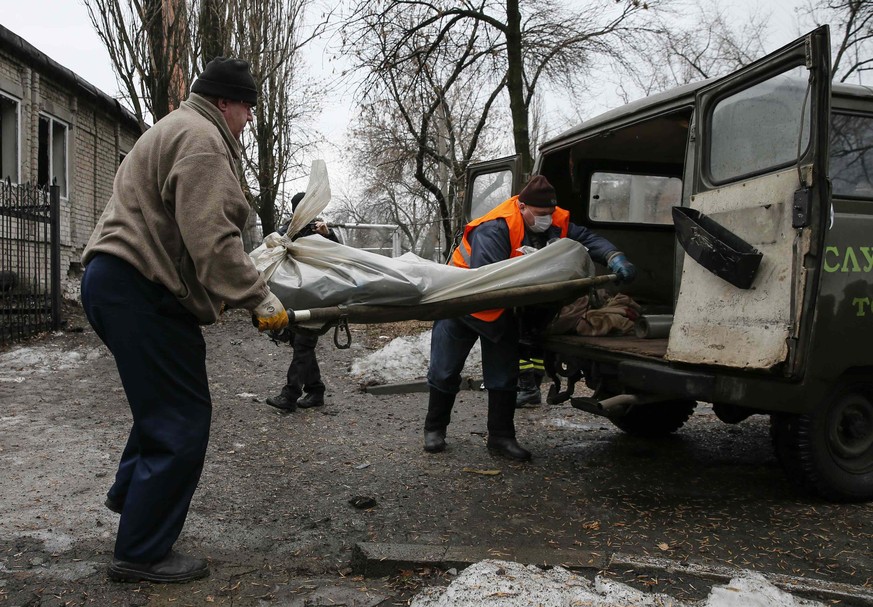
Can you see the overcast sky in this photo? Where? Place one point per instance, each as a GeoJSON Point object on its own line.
{"type": "Point", "coordinates": [61, 29]}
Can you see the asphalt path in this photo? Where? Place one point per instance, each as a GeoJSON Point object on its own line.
{"type": "Point", "coordinates": [273, 511]}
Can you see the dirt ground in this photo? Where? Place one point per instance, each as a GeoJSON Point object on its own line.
{"type": "Point", "coordinates": [272, 511]}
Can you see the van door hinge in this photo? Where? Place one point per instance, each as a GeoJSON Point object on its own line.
{"type": "Point", "coordinates": [801, 208]}
{"type": "Point", "coordinates": [791, 342]}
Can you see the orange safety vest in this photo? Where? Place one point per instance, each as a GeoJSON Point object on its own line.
{"type": "Point", "coordinates": [508, 211]}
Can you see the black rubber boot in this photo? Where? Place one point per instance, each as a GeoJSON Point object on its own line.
{"type": "Point", "coordinates": [501, 426]}
{"type": "Point", "coordinates": [528, 389]}
{"type": "Point", "coordinates": [439, 414]}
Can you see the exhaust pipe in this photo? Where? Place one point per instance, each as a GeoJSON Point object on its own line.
{"type": "Point", "coordinates": [615, 406]}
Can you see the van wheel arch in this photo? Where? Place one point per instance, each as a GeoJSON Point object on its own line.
{"type": "Point", "coordinates": [828, 451]}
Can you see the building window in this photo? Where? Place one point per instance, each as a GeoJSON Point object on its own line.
{"type": "Point", "coordinates": [8, 138]}
{"type": "Point", "coordinates": [52, 153]}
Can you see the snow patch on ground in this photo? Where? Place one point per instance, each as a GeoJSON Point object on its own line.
{"type": "Point", "coordinates": [21, 363]}
{"type": "Point", "coordinates": [406, 359]}
{"type": "Point", "coordinates": [508, 584]}
{"type": "Point", "coordinates": [753, 590]}
{"type": "Point", "coordinates": [55, 542]}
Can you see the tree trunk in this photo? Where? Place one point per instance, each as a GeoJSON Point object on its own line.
{"type": "Point", "coordinates": [515, 85]}
{"type": "Point", "coordinates": [159, 82]}
{"type": "Point", "coordinates": [213, 31]}
{"type": "Point", "coordinates": [266, 203]}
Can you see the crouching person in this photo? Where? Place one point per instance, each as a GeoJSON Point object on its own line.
{"type": "Point", "coordinates": [165, 255]}
{"type": "Point", "coordinates": [530, 219]}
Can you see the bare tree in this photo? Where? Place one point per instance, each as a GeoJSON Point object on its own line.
{"type": "Point", "coordinates": [388, 191]}
{"type": "Point", "coordinates": [689, 45]}
{"type": "Point", "coordinates": [269, 34]}
{"type": "Point", "coordinates": [158, 47]}
{"type": "Point", "coordinates": [522, 41]}
{"type": "Point", "coordinates": [419, 121]}
{"type": "Point", "coordinates": [851, 24]}
{"type": "Point", "coordinates": [149, 44]}
{"type": "Point", "coordinates": [421, 56]}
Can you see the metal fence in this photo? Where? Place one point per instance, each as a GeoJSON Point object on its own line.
{"type": "Point", "coordinates": [381, 238]}
{"type": "Point", "coordinates": [30, 260]}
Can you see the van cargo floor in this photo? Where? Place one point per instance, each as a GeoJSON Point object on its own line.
{"type": "Point", "coordinates": [630, 344]}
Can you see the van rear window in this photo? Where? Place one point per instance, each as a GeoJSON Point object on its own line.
{"type": "Point", "coordinates": [489, 190]}
{"type": "Point", "coordinates": [761, 128]}
{"type": "Point", "coordinates": [633, 198]}
{"type": "Point", "coordinates": [851, 164]}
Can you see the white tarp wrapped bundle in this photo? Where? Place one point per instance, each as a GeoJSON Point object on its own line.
{"type": "Point", "coordinates": [314, 272]}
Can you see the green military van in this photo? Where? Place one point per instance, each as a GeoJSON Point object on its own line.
{"type": "Point", "coordinates": [746, 204]}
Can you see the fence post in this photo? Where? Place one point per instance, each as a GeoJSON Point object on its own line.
{"type": "Point", "coordinates": [395, 243]}
{"type": "Point", "coordinates": [55, 210]}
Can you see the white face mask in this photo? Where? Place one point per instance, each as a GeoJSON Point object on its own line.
{"type": "Point", "coordinates": [541, 223]}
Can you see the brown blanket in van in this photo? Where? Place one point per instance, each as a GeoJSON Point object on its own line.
{"type": "Point", "coordinates": [597, 314]}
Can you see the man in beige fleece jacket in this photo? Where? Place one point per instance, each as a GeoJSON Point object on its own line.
{"type": "Point", "coordinates": [165, 256]}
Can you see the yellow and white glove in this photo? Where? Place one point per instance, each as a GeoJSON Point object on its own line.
{"type": "Point", "coordinates": [270, 314]}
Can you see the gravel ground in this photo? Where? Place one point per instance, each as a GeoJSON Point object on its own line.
{"type": "Point", "coordinates": [272, 511]}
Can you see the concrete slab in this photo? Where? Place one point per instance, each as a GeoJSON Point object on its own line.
{"type": "Point", "coordinates": [807, 587]}
{"type": "Point", "coordinates": [374, 559]}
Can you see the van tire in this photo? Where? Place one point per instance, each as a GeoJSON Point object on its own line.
{"type": "Point", "coordinates": [829, 451]}
{"type": "Point", "coordinates": [655, 419]}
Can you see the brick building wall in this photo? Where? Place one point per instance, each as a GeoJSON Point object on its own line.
{"type": "Point", "coordinates": [96, 133]}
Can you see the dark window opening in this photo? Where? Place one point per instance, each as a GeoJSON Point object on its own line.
{"type": "Point", "coordinates": [52, 154]}
{"type": "Point", "coordinates": [8, 139]}
{"type": "Point", "coordinates": [851, 165]}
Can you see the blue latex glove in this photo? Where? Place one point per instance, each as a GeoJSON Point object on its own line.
{"type": "Point", "coordinates": [620, 266]}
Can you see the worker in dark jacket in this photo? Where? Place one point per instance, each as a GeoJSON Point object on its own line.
{"type": "Point", "coordinates": [166, 255]}
{"type": "Point", "coordinates": [303, 372]}
{"type": "Point", "coordinates": [533, 219]}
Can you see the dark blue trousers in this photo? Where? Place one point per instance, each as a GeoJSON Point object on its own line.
{"type": "Point", "coordinates": [303, 372]}
{"type": "Point", "coordinates": [451, 342]}
{"type": "Point", "coordinates": [161, 358]}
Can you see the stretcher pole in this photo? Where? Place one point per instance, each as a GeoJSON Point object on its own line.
{"type": "Point", "coordinates": [451, 308]}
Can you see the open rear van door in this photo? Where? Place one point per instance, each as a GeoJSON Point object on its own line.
{"type": "Point", "coordinates": [753, 230]}
{"type": "Point", "coordinates": [490, 183]}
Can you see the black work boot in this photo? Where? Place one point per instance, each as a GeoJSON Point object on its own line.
{"type": "Point", "coordinates": [284, 401]}
{"type": "Point", "coordinates": [174, 567]}
{"type": "Point", "coordinates": [439, 414]}
{"type": "Point", "coordinates": [501, 426]}
{"type": "Point", "coordinates": [528, 390]}
{"type": "Point", "coordinates": [313, 399]}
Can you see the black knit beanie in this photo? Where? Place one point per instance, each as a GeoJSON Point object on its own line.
{"type": "Point", "coordinates": [538, 193]}
{"type": "Point", "coordinates": [227, 78]}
